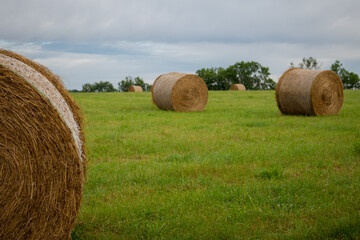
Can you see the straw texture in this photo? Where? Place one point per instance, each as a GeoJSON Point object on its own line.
{"type": "Point", "coordinates": [309, 92]}
{"type": "Point", "coordinates": [238, 87]}
{"type": "Point", "coordinates": [135, 89]}
{"type": "Point", "coordinates": [180, 92]}
{"type": "Point", "coordinates": [42, 152]}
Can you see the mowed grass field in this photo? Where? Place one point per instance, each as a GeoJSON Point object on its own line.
{"type": "Point", "coordinates": [238, 170]}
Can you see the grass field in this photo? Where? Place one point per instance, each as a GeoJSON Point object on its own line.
{"type": "Point", "coordinates": [237, 170]}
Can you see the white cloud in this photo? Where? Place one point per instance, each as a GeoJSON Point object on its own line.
{"type": "Point", "coordinates": [180, 20]}
{"type": "Point", "coordinates": [88, 40]}
{"type": "Point", "coordinates": [150, 59]}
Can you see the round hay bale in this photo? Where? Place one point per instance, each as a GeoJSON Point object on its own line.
{"type": "Point", "coordinates": [180, 92]}
{"type": "Point", "coordinates": [135, 89]}
{"type": "Point", "coordinates": [309, 92]}
{"type": "Point", "coordinates": [238, 87]}
{"type": "Point", "coordinates": [42, 152]}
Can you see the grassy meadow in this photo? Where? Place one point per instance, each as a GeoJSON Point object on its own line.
{"type": "Point", "coordinates": [238, 170]}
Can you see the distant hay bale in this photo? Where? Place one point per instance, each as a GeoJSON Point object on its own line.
{"type": "Point", "coordinates": [42, 152]}
{"type": "Point", "coordinates": [180, 92]}
{"type": "Point", "coordinates": [135, 89]}
{"type": "Point", "coordinates": [238, 87]}
{"type": "Point", "coordinates": [309, 92]}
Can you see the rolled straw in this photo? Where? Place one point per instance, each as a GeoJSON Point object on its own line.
{"type": "Point", "coordinates": [238, 87]}
{"type": "Point", "coordinates": [180, 92]}
{"type": "Point", "coordinates": [309, 92]}
{"type": "Point", "coordinates": [135, 89]}
{"type": "Point", "coordinates": [42, 152]}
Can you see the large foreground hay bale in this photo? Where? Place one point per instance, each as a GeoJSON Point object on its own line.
{"type": "Point", "coordinates": [135, 89]}
{"type": "Point", "coordinates": [180, 92]}
{"type": "Point", "coordinates": [309, 92]}
{"type": "Point", "coordinates": [238, 87]}
{"type": "Point", "coordinates": [42, 152]}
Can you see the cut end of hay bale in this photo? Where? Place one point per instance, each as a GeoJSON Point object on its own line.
{"type": "Point", "coordinates": [42, 152]}
{"type": "Point", "coordinates": [327, 94]}
{"type": "Point", "coordinates": [309, 92]}
{"type": "Point", "coordinates": [180, 92]}
{"type": "Point", "coordinates": [237, 87]}
{"type": "Point", "coordinates": [135, 89]}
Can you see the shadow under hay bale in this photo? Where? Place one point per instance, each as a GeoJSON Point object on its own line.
{"type": "Point", "coordinates": [180, 92]}
{"type": "Point", "coordinates": [42, 152]}
{"type": "Point", "coordinates": [309, 92]}
{"type": "Point", "coordinates": [135, 89]}
{"type": "Point", "coordinates": [237, 87]}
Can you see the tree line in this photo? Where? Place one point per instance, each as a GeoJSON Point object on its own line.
{"type": "Point", "coordinates": [256, 77]}
{"type": "Point", "coordinates": [123, 85]}
{"type": "Point", "coordinates": [251, 74]}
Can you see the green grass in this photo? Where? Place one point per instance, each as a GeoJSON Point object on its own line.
{"type": "Point", "coordinates": [237, 170]}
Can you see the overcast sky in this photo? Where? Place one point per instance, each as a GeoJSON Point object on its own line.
{"type": "Point", "coordinates": [86, 41]}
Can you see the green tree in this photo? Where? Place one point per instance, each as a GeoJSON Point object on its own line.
{"type": "Point", "coordinates": [74, 90]}
{"type": "Point", "coordinates": [98, 87]}
{"type": "Point", "coordinates": [124, 85]}
{"type": "Point", "coordinates": [87, 87]}
{"type": "Point", "coordinates": [350, 79]}
{"type": "Point", "coordinates": [307, 63]}
{"type": "Point", "coordinates": [103, 87]}
{"type": "Point", "coordinates": [140, 82]}
{"type": "Point", "coordinates": [214, 78]}
{"type": "Point", "coordinates": [148, 87]}
{"type": "Point", "coordinates": [251, 74]}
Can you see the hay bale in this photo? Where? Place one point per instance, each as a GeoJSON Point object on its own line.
{"type": "Point", "coordinates": [238, 87]}
{"type": "Point", "coordinates": [180, 92]}
{"type": "Point", "coordinates": [42, 152]}
{"type": "Point", "coordinates": [135, 89]}
{"type": "Point", "coordinates": [309, 92]}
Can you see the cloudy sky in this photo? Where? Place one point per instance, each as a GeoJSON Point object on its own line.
{"type": "Point", "coordinates": [88, 41]}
